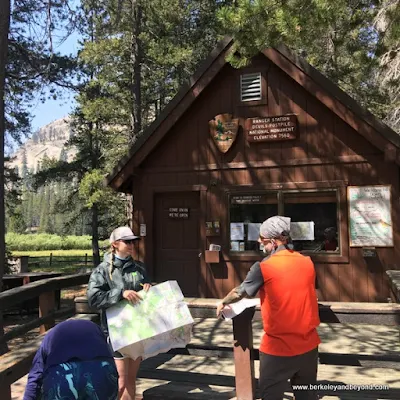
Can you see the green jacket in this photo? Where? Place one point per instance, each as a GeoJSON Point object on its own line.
{"type": "Point", "coordinates": [107, 283]}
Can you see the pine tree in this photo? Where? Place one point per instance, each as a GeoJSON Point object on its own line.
{"type": "Point", "coordinates": [4, 29]}
{"type": "Point", "coordinates": [387, 23]}
{"type": "Point", "coordinates": [336, 37]}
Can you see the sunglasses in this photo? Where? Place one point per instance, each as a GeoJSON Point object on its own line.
{"type": "Point", "coordinates": [129, 241]}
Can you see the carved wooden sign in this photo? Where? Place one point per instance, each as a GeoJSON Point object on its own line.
{"type": "Point", "coordinates": [271, 129]}
{"type": "Point", "coordinates": [223, 130]}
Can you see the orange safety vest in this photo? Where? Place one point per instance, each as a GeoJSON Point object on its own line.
{"type": "Point", "coordinates": [289, 304]}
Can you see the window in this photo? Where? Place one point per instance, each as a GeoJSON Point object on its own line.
{"type": "Point", "coordinates": [247, 212]}
{"type": "Point", "coordinates": [314, 219]}
{"type": "Point", "coordinates": [250, 87]}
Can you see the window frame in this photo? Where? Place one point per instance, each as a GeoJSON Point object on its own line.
{"type": "Point", "coordinates": [311, 187]}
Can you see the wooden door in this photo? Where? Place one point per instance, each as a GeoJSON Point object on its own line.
{"type": "Point", "coordinates": [177, 236]}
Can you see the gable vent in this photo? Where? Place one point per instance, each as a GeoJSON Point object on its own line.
{"type": "Point", "coordinates": [250, 87]}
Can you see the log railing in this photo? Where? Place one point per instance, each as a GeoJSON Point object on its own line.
{"type": "Point", "coordinates": [14, 367]}
{"type": "Point", "coordinates": [44, 289]}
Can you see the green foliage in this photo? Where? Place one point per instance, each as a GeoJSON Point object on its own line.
{"type": "Point", "coordinates": [91, 188]}
{"type": "Point", "coordinates": [12, 197]}
{"type": "Point", "coordinates": [387, 24]}
{"type": "Point", "coordinates": [34, 69]}
{"type": "Point", "coordinates": [339, 38]}
{"type": "Point", "coordinates": [43, 241]}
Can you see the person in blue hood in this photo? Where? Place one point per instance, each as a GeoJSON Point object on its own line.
{"type": "Point", "coordinates": [73, 362]}
{"type": "Point", "coordinates": [117, 278]}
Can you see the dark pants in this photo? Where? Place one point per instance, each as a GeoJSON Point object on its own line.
{"type": "Point", "coordinates": [81, 380]}
{"type": "Point", "coordinates": [275, 371]}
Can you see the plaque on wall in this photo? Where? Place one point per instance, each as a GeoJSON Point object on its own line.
{"type": "Point", "coordinates": [178, 213]}
{"type": "Point", "coordinates": [223, 130]}
{"type": "Point", "coordinates": [369, 252]}
{"type": "Point", "coordinates": [271, 129]}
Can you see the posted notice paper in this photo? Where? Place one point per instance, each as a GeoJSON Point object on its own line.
{"type": "Point", "coordinates": [237, 231]}
{"type": "Point", "coordinates": [253, 231]}
{"type": "Point", "coordinates": [237, 308]}
{"type": "Point", "coordinates": [302, 230]}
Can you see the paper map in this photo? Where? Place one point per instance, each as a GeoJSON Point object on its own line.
{"type": "Point", "coordinates": [159, 322]}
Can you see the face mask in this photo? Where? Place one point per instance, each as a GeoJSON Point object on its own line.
{"type": "Point", "coordinates": [273, 247]}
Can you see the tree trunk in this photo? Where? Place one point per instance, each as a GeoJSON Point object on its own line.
{"type": "Point", "coordinates": [95, 210]}
{"type": "Point", "coordinates": [4, 29]}
{"type": "Point", "coordinates": [136, 64]}
{"type": "Point", "coordinates": [95, 235]}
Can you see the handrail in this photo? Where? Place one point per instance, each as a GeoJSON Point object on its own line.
{"type": "Point", "coordinates": [22, 329]}
{"type": "Point", "coordinates": [20, 294]}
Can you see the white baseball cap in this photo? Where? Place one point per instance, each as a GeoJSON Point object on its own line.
{"type": "Point", "coordinates": [123, 233]}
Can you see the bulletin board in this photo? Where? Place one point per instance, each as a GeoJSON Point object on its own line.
{"type": "Point", "coordinates": [370, 216]}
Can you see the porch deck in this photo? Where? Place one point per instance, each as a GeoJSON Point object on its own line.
{"type": "Point", "coordinates": [351, 354]}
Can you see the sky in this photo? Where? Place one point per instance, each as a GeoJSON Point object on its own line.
{"type": "Point", "coordinates": [50, 110]}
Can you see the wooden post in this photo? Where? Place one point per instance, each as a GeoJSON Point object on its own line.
{"type": "Point", "coordinates": [85, 259]}
{"type": "Point", "coordinates": [243, 355]}
{"type": "Point", "coordinates": [51, 258]}
{"type": "Point", "coordinates": [5, 392]}
{"type": "Point", "coordinates": [46, 306]}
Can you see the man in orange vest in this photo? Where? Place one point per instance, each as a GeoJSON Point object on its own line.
{"type": "Point", "coordinates": [289, 308]}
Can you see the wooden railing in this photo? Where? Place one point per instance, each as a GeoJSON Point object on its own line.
{"type": "Point", "coordinates": [13, 368]}
{"type": "Point", "coordinates": [394, 284]}
{"type": "Point", "coordinates": [243, 351]}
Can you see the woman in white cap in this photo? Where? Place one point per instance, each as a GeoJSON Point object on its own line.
{"type": "Point", "coordinates": [119, 277]}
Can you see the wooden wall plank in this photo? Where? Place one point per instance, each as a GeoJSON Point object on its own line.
{"type": "Point", "coordinates": [323, 135]}
{"type": "Point", "coordinates": [331, 288]}
{"type": "Point", "coordinates": [345, 282]}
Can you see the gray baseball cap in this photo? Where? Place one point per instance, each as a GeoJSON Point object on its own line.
{"type": "Point", "coordinates": [123, 233]}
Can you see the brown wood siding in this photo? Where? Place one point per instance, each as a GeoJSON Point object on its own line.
{"type": "Point", "coordinates": [327, 149]}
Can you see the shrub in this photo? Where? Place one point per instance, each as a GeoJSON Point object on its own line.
{"type": "Point", "coordinates": [45, 241]}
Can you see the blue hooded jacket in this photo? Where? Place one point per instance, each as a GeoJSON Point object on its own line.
{"type": "Point", "coordinates": [71, 339]}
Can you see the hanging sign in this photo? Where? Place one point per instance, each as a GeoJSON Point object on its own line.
{"type": "Point", "coordinates": [251, 199]}
{"type": "Point", "coordinates": [271, 129]}
{"type": "Point", "coordinates": [223, 130]}
{"type": "Point", "coordinates": [370, 220]}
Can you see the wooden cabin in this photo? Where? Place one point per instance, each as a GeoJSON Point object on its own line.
{"type": "Point", "coordinates": [236, 146]}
